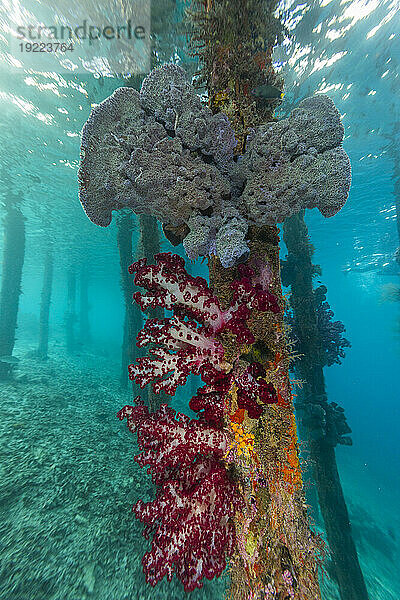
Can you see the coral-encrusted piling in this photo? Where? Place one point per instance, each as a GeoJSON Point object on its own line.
{"type": "Point", "coordinates": [274, 538]}
{"type": "Point", "coordinates": [161, 152]}
{"type": "Point", "coordinates": [11, 274]}
{"type": "Point", "coordinates": [276, 554]}
{"type": "Point", "coordinates": [324, 423]}
{"type": "Point", "coordinates": [274, 545]}
{"type": "Point", "coordinates": [45, 301]}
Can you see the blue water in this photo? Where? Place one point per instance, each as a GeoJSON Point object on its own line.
{"type": "Point", "coordinates": [347, 49]}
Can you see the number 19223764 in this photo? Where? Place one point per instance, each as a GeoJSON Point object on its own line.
{"type": "Point", "coordinates": [46, 47]}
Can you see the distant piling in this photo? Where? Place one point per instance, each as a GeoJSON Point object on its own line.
{"type": "Point", "coordinates": [148, 247]}
{"type": "Point", "coordinates": [321, 451]}
{"type": "Point", "coordinates": [45, 302]}
{"type": "Point", "coordinates": [13, 260]}
{"type": "Point", "coordinates": [85, 334]}
{"type": "Point", "coordinates": [133, 317]}
{"type": "Point", "coordinates": [70, 314]}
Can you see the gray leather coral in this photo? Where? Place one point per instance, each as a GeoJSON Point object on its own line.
{"type": "Point", "coordinates": [161, 152]}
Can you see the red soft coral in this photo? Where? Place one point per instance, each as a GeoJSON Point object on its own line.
{"type": "Point", "coordinates": [194, 528]}
{"type": "Point", "coordinates": [170, 286]}
{"type": "Point", "coordinates": [184, 349]}
{"type": "Point", "coordinates": [185, 346]}
{"type": "Point", "coordinates": [252, 387]}
{"type": "Point", "coordinates": [253, 290]}
{"type": "Point", "coordinates": [169, 440]}
{"type": "Point", "coordinates": [208, 401]}
{"type": "Point", "coordinates": [191, 516]}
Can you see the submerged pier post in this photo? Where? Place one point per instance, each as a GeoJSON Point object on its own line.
{"type": "Point", "coordinates": [11, 275]}
{"type": "Point", "coordinates": [45, 301]}
{"type": "Point", "coordinates": [70, 314]}
{"type": "Point", "coordinates": [223, 200]}
{"type": "Point", "coordinates": [85, 334]}
{"type": "Point", "coordinates": [148, 247]}
{"type": "Point", "coordinates": [321, 450]}
{"type": "Point", "coordinates": [133, 317]}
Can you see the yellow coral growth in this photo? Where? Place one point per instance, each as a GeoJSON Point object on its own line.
{"type": "Point", "coordinates": [243, 441]}
{"type": "Point", "coordinates": [291, 471]}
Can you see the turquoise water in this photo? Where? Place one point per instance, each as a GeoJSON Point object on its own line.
{"type": "Point", "coordinates": [68, 479]}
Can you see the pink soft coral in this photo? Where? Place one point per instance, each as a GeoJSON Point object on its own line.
{"type": "Point", "coordinates": [169, 440]}
{"type": "Point", "coordinates": [169, 285]}
{"type": "Point", "coordinates": [185, 346]}
{"type": "Point", "coordinates": [191, 516]}
{"type": "Point", "coordinates": [253, 290]}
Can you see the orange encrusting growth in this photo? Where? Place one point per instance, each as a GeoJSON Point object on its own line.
{"type": "Point", "coordinates": [291, 471]}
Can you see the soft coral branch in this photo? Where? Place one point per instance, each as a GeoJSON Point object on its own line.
{"type": "Point", "coordinates": [184, 349]}
{"type": "Point", "coordinates": [170, 286]}
{"type": "Point", "coordinates": [253, 290]}
{"type": "Point", "coordinates": [184, 346]}
{"type": "Point", "coordinates": [191, 516]}
{"type": "Point", "coordinates": [169, 440]}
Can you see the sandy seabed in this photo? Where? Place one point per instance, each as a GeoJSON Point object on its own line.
{"type": "Point", "coordinates": [68, 481]}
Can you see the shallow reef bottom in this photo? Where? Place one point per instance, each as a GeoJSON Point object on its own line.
{"type": "Point", "coordinates": [66, 527]}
